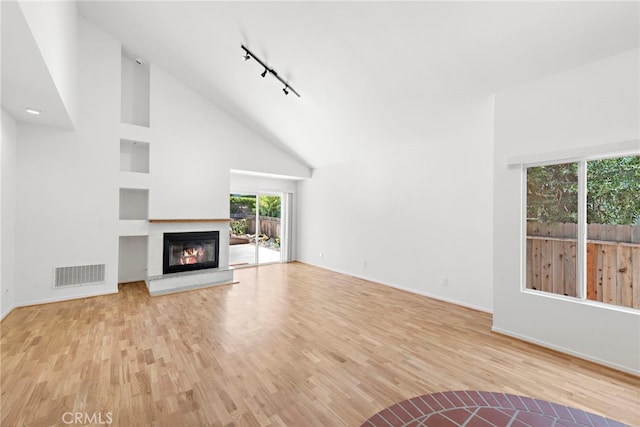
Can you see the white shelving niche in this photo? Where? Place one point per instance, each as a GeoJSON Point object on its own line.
{"type": "Point", "coordinates": [135, 90]}
{"type": "Point", "coordinates": [134, 156]}
{"type": "Point", "coordinates": [134, 204]}
{"type": "Point", "coordinates": [134, 177]}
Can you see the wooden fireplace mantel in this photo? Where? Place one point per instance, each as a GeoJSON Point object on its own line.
{"type": "Point", "coordinates": [191, 220]}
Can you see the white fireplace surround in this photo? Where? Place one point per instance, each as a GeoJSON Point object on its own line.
{"type": "Point", "coordinates": [159, 283]}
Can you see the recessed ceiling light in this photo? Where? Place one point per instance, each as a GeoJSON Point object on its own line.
{"type": "Point", "coordinates": [33, 111]}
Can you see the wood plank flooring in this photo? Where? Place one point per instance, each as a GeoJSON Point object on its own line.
{"type": "Point", "coordinates": [290, 345]}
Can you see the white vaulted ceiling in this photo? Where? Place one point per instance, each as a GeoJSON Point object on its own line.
{"type": "Point", "coordinates": [26, 79]}
{"type": "Point", "coordinates": [370, 74]}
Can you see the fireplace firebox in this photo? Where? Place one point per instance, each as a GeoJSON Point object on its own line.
{"type": "Point", "coordinates": [190, 251]}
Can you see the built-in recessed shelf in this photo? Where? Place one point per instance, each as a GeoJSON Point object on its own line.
{"type": "Point", "coordinates": [134, 204]}
{"type": "Point", "coordinates": [135, 133]}
{"type": "Point", "coordinates": [133, 227]}
{"type": "Point", "coordinates": [134, 156]}
{"type": "Point", "coordinates": [134, 180]}
{"type": "Point", "coordinates": [132, 258]}
{"type": "Point", "coordinates": [135, 89]}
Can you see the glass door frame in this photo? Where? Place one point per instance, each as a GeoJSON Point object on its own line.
{"type": "Point", "coordinates": [284, 212]}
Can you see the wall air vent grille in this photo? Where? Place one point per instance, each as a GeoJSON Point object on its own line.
{"type": "Point", "coordinates": [79, 275]}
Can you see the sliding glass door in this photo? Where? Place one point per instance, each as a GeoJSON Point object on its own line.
{"type": "Point", "coordinates": [256, 229]}
{"type": "Point", "coordinates": [242, 250]}
{"type": "Point", "coordinates": [269, 222]}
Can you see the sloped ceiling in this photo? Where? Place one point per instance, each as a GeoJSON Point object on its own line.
{"type": "Point", "coordinates": [371, 74]}
{"type": "Point", "coordinates": [26, 79]}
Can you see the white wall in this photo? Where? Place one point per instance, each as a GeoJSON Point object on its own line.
{"type": "Point", "coordinates": [7, 213]}
{"type": "Point", "coordinates": [411, 215]}
{"type": "Point", "coordinates": [195, 145]}
{"type": "Point", "coordinates": [54, 25]}
{"type": "Point", "coordinates": [595, 104]}
{"type": "Point", "coordinates": [67, 193]}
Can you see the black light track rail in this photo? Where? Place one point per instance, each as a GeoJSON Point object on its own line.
{"type": "Point", "coordinates": [268, 70]}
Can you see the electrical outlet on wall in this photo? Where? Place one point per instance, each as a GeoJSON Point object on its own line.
{"type": "Point", "coordinates": [321, 254]}
{"type": "Point", "coordinates": [444, 281]}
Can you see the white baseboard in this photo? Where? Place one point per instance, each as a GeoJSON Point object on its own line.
{"type": "Point", "coordinates": [65, 298]}
{"type": "Point", "coordinates": [7, 311]}
{"type": "Point", "coordinates": [436, 297]}
{"type": "Point", "coordinates": [625, 369]}
{"type": "Point", "coordinates": [402, 288]}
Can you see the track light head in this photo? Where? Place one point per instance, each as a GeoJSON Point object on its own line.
{"type": "Point", "coordinates": [247, 55]}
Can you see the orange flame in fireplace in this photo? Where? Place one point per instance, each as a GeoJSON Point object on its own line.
{"type": "Point", "coordinates": [192, 255]}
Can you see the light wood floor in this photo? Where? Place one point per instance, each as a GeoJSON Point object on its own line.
{"type": "Point", "coordinates": [289, 345]}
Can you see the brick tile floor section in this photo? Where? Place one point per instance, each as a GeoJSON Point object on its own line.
{"type": "Point", "coordinates": [483, 409]}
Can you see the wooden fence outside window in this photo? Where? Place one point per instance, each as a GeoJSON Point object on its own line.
{"type": "Point", "coordinates": [613, 261]}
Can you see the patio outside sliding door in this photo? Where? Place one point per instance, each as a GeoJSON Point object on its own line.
{"type": "Point", "coordinates": [242, 244]}
{"type": "Point", "coordinates": [256, 229]}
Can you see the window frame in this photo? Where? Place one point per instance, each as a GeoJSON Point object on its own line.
{"type": "Point", "coordinates": [581, 250]}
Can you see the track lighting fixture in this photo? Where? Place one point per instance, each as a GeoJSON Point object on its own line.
{"type": "Point", "coordinates": [248, 55]}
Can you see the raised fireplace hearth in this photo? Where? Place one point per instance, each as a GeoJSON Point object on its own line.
{"type": "Point", "coordinates": [190, 251]}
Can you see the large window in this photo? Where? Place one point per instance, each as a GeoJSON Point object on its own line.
{"type": "Point", "coordinates": [583, 230]}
